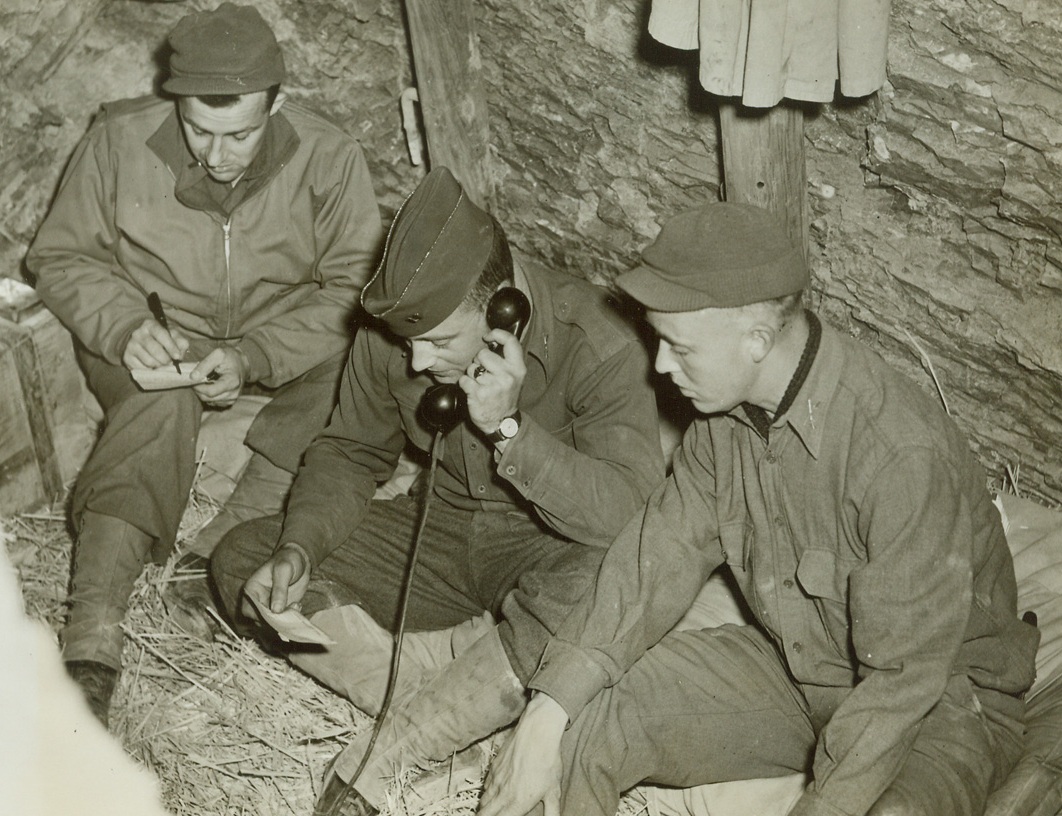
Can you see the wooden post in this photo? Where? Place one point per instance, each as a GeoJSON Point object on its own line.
{"type": "Point", "coordinates": [763, 162]}
{"type": "Point", "coordinates": [450, 86]}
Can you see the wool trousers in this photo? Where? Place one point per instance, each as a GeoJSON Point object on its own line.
{"type": "Point", "coordinates": [469, 563]}
{"type": "Point", "coordinates": [717, 704]}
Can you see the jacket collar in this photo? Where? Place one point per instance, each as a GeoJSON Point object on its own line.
{"type": "Point", "coordinates": [196, 189]}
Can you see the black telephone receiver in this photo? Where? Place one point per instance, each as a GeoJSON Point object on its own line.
{"type": "Point", "coordinates": [442, 405]}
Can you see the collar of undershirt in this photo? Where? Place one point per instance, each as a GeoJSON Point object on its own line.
{"type": "Point", "coordinates": [759, 418]}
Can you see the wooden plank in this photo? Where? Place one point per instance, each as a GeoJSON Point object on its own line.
{"type": "Point", "coordinates": [763, 162]}
{"type": "Point", "coordinates": [21, 487]}
{"type": "Point", "coordinates": [72, 412]}
{"type": "Point", "coordinates": [453, 103]}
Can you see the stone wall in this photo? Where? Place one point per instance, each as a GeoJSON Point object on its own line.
{"type": "Point", "coordinates": [936, 234]}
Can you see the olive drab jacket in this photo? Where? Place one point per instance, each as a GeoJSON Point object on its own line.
{"type": "Point", "coordinates": [273, 265]}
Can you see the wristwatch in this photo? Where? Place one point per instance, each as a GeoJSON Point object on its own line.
{"type": "Point", "coordinates": [509, 427]}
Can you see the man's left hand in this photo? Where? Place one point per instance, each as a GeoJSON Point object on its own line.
{"type": "Point", "coordinates": [231, 367]}
{"type": "Point", "coordinates": [493, 394]}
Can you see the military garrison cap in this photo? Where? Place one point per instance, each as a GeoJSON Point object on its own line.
{"type": "Point", "coordinates": [438, 244]}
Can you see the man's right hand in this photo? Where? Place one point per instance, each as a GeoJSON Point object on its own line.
{"type": "Point", "coordinates": [152, 346]}
{"type": "Point", "coordinates": [527, 770]}
{"type": "Point", "coordinates": [280, 582]}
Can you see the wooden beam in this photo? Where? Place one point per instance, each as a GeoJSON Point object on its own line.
{"type": "Point", "coordinates": [763, 162]}
{"type": "Point", "coordinates": [453, 103]}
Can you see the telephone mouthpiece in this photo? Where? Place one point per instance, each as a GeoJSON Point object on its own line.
{"type": "Point", "coordinates": [442, 407]}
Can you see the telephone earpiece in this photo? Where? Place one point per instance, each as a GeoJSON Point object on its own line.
{"type": "Point", "coordinates": [508, 309]}
{"type": "Point", "coordinates": [442, 405]}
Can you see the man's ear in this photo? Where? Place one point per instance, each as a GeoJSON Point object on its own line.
{"type": "Point", "coordinates": [761, 338]}
{"type": "Point", "coordinates": [278, 103]}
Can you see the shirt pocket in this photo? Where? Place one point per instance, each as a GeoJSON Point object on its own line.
{"type": "Point", "coordinates": [824, 579]}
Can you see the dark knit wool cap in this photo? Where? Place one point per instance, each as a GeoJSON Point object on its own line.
{"type": "Point", "coordinates": [720, 255]}
{"type": "Point", "coordinates": [438, 244]}
{"type": "Point", "coordinates": [230, 50]}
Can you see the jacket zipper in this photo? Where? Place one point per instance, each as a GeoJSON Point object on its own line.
{"type": "Point", "coordinates": [226, 230]}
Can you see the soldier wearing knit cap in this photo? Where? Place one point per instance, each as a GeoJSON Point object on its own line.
{"type": "Point", "coordinates": [209, 234]}
{"type": "Point", "coordinates": [559, 445]}
{"type": "Point", "coordinates": [882, 657]}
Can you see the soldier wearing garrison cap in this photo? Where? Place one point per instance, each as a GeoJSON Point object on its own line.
{"type": "Point", "coordinates": [209, 234]}
{"type": "Point", "coordinates": [560, 444]}
{"type": "Point", "coordinates": [883, 657]}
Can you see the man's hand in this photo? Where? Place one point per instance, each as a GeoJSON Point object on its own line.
{"type": "Point", "coordinates": [152, 346]}
{"type": "Point", "coordinates": [231, 366]}
{"type": "Point", "coordinates": [528, 769]}
{"type": "Point", "coordinates": [493, 395]}
{"type": "Point", "coordinates": [280, 582]}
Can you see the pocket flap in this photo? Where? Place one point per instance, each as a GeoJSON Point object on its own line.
{"type": "Point", "coordinates": [817, 574]}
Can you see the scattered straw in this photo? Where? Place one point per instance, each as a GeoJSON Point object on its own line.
{"type": "Point", "coordinates": [226, 728]}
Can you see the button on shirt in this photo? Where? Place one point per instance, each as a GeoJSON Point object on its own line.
{"type": "Point", "coordinates": [586, 457]}
{"type": "Point", "coordinates": [890, 574]}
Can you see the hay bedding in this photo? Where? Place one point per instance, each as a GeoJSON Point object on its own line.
{"type": "Point", "coordinates": [226, 728]}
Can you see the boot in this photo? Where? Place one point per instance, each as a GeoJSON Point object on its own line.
{"type": "Point", "coordinates": [97, 683]}
{"type": "Point", "coordinates": [338, 798]}
{"type": "Point", "coordinates": [109, 556]}
{"type": "Point", "coordinates": [358, 666]}
{"type": "Point", "coordinates": [475, 695]}
{"type": "Point", "coordinates": [261, 491]}
{"type": "Point", "coordinates": [188, 598]}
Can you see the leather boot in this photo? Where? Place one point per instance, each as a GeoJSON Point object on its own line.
{"type": "Point", "coordinates": [108, 558]}
{"type": "Point", "coordinates": [261, 491]}
{"type": "Point", "coordinates": [97, 683]}
{"type": "Point", "coordinates": [188, 598]}
{"type": "Point", "coordinates": [338, 798]}
{"type": "Point", "coordinates": [471, 698]}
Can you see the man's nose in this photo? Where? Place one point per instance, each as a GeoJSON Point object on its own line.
{"type": "Point", "coordinates": [214, 153]}
{"type": "Point", "coordinates": [422, 357]}
{"type": "Point", "coordinates": [665, 360]}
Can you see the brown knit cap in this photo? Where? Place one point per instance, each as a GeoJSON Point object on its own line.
{"type": "Point", "coordinates": [230, 50]}
{"type": "Point", "coordinates": [719, 255]}
{"type": "Point", "coordinates": [438, 244]}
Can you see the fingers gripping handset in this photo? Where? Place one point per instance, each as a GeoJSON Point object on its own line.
{"type": "Point", "coordinates": [443, 405]}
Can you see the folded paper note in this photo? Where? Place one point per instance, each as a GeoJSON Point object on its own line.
{"type": "Point", "coordinates": [158, 379]}
{"type": "Point", "coordinates": [291, 624]}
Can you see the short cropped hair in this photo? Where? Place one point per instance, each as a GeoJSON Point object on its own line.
{"type": "Point", "coordinates": [781, 310]}
{"type": "Point", "coordinates": [228, 100]}
{"type": "Point", "coordinates": [497, 269]}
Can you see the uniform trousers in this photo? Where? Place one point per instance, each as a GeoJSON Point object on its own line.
{"type": "Point", "coordinates": [469, 563]}
{"type": "Point", "coordinates": [132, 490]}
{"type": "Point", "coordinates": [717, 704]}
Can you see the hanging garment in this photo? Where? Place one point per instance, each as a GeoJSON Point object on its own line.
{"type": "Point", "coordinates": [764, 50]}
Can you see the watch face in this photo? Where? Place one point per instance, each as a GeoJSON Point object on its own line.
{"type": "Point", "coordinates": [509, 426]}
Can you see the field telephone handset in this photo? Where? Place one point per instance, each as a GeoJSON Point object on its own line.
{"type": "Point", "coordinates": [442, 405]}
{"type": "Point", "coordinates": [441, 408]}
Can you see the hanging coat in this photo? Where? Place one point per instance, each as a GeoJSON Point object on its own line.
{"type": "Point", "coordinates": [764, 50]}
